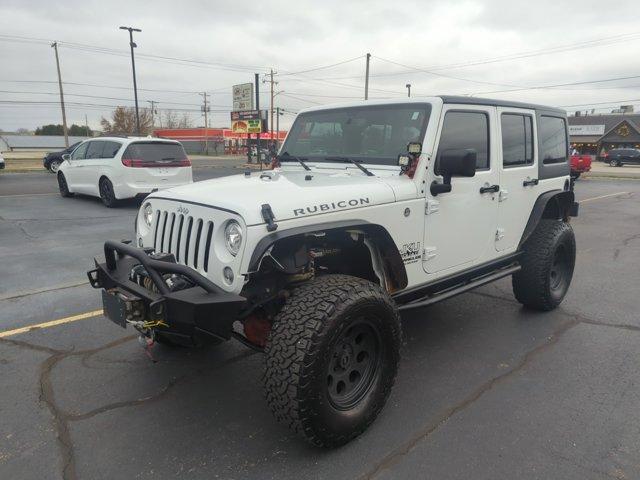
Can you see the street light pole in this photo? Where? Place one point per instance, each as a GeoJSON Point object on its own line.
{"type": "Point", "coordinates": [366, 78]}
{"type": "Point", "coordinates": [408, 85]}
{"type": "Point", "coordinates": [133, 65]}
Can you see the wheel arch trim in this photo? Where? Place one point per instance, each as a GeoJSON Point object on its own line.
{"type": "Point", "coordinates": [379, 235]}
{"type": "Point", "coordinates": [562, 202]}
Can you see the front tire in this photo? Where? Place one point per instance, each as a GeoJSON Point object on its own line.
{"type": "Point", "coordinates": [331, 358]}
{"type": "Point", "coordinates": [547, 266]}
{"type": "Point", "coordinates": [55, 166]}
{"type": "Point", "coordinates": [63, 186]}
{"type": "Point", "coordinates": [107, 194]}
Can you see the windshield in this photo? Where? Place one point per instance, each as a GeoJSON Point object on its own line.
{"type": "Point", "coordinates": [156, 154]}
{"type": "Point", "coordinates": [373, 134]}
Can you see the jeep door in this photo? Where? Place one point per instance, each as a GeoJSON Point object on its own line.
{"type": "Point", "coordinates": [460, 225]}
{"type": "Point", "coordinates": [518, 164]}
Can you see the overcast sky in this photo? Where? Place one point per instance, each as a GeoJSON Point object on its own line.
{"type": "Point", "coordinates": [548, 42]}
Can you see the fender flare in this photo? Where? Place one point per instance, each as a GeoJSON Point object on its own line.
{"type": "Point", "coordinates": [559, 204]}
{"type": "Point", "coordinates": [388, 249]}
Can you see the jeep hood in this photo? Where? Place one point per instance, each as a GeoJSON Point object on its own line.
{"type": "Point", "coordinates": [289, 195]}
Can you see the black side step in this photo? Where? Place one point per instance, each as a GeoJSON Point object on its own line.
{"type": "Point", "coordinates": [460, 288]}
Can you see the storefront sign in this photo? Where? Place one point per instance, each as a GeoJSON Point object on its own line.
{"type": "Point", "coordinates": [586, 129]}
{"type": "Point", "coordinates": [243, 96]}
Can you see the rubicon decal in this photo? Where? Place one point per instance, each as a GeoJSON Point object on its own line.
{"type": "Point", "coordinates": [327, 207]}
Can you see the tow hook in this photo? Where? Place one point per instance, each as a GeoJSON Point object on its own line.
{"type": "Point", "coordinates": [147, 337]}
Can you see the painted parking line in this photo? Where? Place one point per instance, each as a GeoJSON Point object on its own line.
{"type": "Point", "coordinates": [603, 196]}
{"type": "Point", "coordinates": [52, 323]}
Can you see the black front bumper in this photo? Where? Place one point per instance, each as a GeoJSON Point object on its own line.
{"type": "Point", "coordinates": [204, 309]}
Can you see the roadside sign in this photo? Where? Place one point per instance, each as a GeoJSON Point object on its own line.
{"type": "Point", "coordinates": [242, 96]}
{"type": "Point", "coordinates": [251, 121]}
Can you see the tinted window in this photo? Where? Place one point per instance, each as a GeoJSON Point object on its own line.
{"type": "Point", "coordinates": [79, 153]}
{"type": "Point", "coordinates": [466, 130]}
{"type": "Point", "coordinates": [95, 149]}
{"type": "Point", "coordinates": [374, 134]}
{"type": "Point", "coordinates": [517, 139]}
{"type": "Point", "coordinates": [155, 152]}
{"type": "Point", "coordinates": [110, 149]}
{"type": "Point", "coordinates": [553, 139]}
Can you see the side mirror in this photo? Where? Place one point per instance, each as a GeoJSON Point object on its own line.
{"type": "Point", "coordinates": [66, 157]}
{"type": "Point", "coordinates": [454, 163]}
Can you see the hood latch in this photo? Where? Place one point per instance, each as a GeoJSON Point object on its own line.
{"type": "Point", "coordinates": [267, 215]}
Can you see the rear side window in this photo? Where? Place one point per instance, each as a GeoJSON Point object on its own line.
{"type": "Point", "coordinates": [155, 154]}
{"type": "Point", "coordinates": [517, 139]}
{"type": "Point", "coordinates": [466, 130]}
{"type": "Point", "coordinates": [553, 139]}
{"type": "Point", "coordinates": [110, 149]}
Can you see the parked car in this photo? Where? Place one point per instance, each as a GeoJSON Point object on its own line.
{"type": "Point", "coordinates": [114, 168]}
{"type": "Point", "coordinates": [619, 156]}
{"type": "Point", "coordinates": [1, 163]}
{"type": "Point", "coordinates": [406, 203]}
{"type": "Point", "coordinates": [579, 165]}
{"type": "Point", "coordinates": [53, 160]}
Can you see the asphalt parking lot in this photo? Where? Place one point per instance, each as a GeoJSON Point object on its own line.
{"type": "Point", "coordinates": [486, 389]}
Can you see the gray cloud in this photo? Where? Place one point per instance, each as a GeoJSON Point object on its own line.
{"type": "Point", "coordinates": [298, 35]}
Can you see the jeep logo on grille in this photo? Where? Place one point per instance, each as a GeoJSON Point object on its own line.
{"type": "Point", "coordinates": [183, 210]}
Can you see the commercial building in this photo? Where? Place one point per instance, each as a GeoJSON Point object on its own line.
{"type": "Point", "coordinates": [597, 134]}
{"type": "Point", "coordinates": [216, 140]}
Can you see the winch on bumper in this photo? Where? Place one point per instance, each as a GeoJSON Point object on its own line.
{"type": "Point", "coordinates": [199, 308]}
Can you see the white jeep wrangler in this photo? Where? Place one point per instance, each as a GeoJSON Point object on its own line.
{"type": "Point", "coordinates": [371, 208]}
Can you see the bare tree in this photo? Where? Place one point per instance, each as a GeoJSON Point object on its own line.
{"type": "Point", "coordinates": [123, 121]}
{"type": "Point", "coordinates": [172, 120]}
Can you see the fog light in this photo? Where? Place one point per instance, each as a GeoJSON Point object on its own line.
{"type": "Point", "coordinates": [228, 275]}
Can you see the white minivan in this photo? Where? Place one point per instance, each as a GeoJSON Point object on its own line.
{"type": "Point", "coordinates": [115, 168]}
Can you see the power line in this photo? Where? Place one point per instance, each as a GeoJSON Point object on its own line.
{"type": "Point", "coordinates": [323, 67]}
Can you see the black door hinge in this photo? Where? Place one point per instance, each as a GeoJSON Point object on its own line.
{"type": "Point", "coordinates": [267, 215]}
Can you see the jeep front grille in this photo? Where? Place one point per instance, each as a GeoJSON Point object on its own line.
{"type": "Point", "coordinates": [189, 238]}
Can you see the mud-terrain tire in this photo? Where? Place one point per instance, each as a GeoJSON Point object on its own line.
{"type": "Point", "coordinates": [107, 195]}
{"type": "Point", "coordinates": [332, 358]}
{"type": "Point", "coordinates": [63, 186]}
{"type": "Point", "coordinates": [547, 263]}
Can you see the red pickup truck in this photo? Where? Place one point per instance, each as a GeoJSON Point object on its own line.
{"type": "Point", "coordinates": [580, 164]}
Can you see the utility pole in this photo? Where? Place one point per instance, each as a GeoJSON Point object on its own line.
{"type": "Point", "coordinates": [205, 109]}
{"type": "Point", "coordinates": [133, 66]}
{"type": "Point", "coordinates": [257, 80]}
{"type": "Point", "coordinates": [153, 112]}
{"type": "Point", "coordinates": [86, 124]}
{"type": "Point", "coordinates": [54, 45]}
{"type": "Point", "coordinates": [408, 85]}
{"type": "Point", "coordinates": [272, 82]}
{"type": "Point", "coordinates": [278, 113]}
{"type": "Point", "coordinates": [366, 79]}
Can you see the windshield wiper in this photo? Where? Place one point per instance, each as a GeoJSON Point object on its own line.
{"type": "Point", "coordinates": [350, 160]}
{"type": "Point", "coordinates": [297, 159]}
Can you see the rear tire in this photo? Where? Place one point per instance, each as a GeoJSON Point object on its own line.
{"type": "Point", "coordinates": [107, 194]}
{"type": "Point", "coordinates": [63, 186]}
{"type": "Point", "coordinates": [547, 266]}
{"type": "Point", "coordinates": [331, 358]}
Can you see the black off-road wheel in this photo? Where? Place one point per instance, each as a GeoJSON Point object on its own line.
{"type": "Point", "coordinates": [107, 194]}
{"type": "Point", "coordinates": [547, 266]}
{"type": "Point", "coordinates": [63, 187]}
{"type": "Point", "coordinates": [331, 358]}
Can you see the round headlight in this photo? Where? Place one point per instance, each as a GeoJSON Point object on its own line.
{"type": "Point", "coordinates": [233, 237]}
{"type": "Point", "coordinates": [147, 214]}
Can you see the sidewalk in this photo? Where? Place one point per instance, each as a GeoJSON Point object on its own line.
{"type": "Point", "coordinates": [601, 169]}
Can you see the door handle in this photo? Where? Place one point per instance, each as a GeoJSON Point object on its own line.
{"type": "Point", "coordinates": [528, 183]}
{"type": "Point", "coordinates": [492, 188]}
